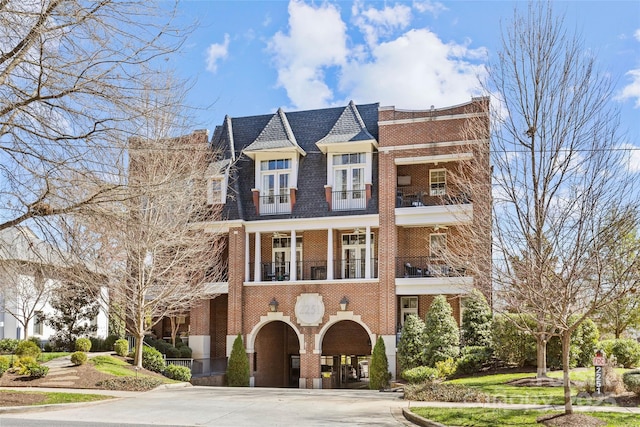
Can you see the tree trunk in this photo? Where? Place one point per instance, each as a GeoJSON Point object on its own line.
{"type": "Point", "coordinates": [137, 358]}
{"type": "Point", "coordinates": [566, 343]}
{"type": "Point", "coordinates": [541, 357]}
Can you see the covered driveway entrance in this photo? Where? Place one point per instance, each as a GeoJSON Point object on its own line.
{"type": "Point", "coordinates": [346, 352]}
{"type": "Point", "coordinates": [276, 357]}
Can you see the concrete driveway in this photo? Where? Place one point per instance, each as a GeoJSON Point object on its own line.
{"type": "Point", "coordinates": [237, 407]}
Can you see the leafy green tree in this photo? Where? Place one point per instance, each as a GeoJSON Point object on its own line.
{"type": "Point", "coordinates": [411, 346]}
{"type": "Point", "coordinates": [379, 374]}
{"type": "Point", "coordinates": [476, 320]}
{"type": "Point", "coordinates": [442, 334]}
{"type": "Point", "coordinates": [75, 306]}
{"type": "Point", "coordinates": [238, 367]}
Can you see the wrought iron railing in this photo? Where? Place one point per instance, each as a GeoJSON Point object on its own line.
{"type": "Point", "coordinates": [315, 270]}
{"type": "Point", "coordinates": [427, 267]}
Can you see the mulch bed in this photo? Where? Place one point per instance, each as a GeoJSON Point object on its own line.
{"type": "Point", "coordinates": [87, 375]}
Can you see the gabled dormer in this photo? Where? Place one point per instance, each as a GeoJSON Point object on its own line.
{"type": "Point", "coordinates": [217, 179]}
{"type": "Point", "coordinates": [276, 154]}
{"type": "Point", "coordinates": [349, 149]}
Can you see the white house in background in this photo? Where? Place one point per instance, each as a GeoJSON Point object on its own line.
{"type": "Point", "coordinates": [27, 266]}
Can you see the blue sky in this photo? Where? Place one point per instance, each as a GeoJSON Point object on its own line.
{"type": "Point", "coordinates": [251, 57]}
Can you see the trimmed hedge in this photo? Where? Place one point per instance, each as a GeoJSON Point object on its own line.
{"type": "Point", "coordinates": [631, 380]}
{"type": "Point", "coordinates": [152, 359]}
{"type": "Point", "coordinates": [79, 358]}
{"type": "Point", "coordinates": [178, 373]}
{"type": "Point", "coordinates": [419, 374]}
{"type": "Point", "coordinates": [27, 348]}
{"type": "Point", "coordinates": [83, 344]}
{"type": "Point", "coordinates": [121, 347]}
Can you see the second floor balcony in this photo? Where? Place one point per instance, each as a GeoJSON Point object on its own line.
{"type": "Point", "coordinates": [412, 267]}
{"type": "Point", "coordinates": [341, 269]}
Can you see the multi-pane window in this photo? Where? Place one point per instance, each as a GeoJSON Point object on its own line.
{"type": "Point", "coordinates": [275, 186]}
{"type": "Point", "coordinates": [38, 326]}
{"type": "Point", "coordinates": [281, 256]}
{"type": "Point", "coordinates": [348, 182]}
{"type": "Point", "coordinates": [438, 182]}
{"type": "Point", "coordinates": [437, 245]}
{"type": "Point", "coordinates": [408, 306]}
{"type": "Point", "coordinates": [216, 191]}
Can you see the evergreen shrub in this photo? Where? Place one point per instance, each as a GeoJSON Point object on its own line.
{"type": "Point", "coordinates": [178, 373]}
{"type": "Point", "coordinates": [121, 347]}
{"type": "Point", "coordinates": [238, 366]}
{"type": "Point", "coordinates": [83, 344]}
{"type": "Point", "coordinates": [379, 374]}
{"type": "Point", "coordinates": [79, 358]}
{"type": "Point", "coordinates": [152, 359]}
{"type": "Point", "coordinates": [27, 348]}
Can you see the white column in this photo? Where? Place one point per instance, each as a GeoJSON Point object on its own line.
{"type": "Point", "coordinates": [257, 274]}
{"type": "Point", "coordinates": [367, 254]}
{"type": "Point", "coordinates": [247, 268]}
{"type": "Point", "coordinates": [330, 254]}
{"type": "Point", "coordinates": [293, 258]}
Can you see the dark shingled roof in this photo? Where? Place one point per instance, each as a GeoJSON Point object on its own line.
{"type": "Point", "coordinates": [358, 122]}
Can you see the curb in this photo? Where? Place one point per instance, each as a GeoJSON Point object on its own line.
{"type": "Point", "coordinates": [418, 420]}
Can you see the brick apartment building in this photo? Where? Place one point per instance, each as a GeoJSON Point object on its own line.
{"type": "Point", "coordinates": [365, 195]}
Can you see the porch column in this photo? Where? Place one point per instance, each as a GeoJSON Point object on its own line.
{"type": "Point", "coordinates": [367, 254]}
{"type": "Point", "coordinates": [257, 274]}
{"type": "Point", "coordinates": [330, 254]}
{"type": "Point", "coordinates": [293, 258]}
{"type": "Point", "coordinates": [247, 257]}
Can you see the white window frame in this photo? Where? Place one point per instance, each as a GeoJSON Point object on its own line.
{"type": "Point", "coordinates": [352, 192]}
{"type": "Point", "coordinates": [437, 187]}
{"type": "Point", "coordinates": [355, 242]}
{"type": "Point", "coordinates": [408, 306]}
{"type": "Point", "coordinates": [216, 195]}
{"type": "Point", "coordinates": [286, 250]}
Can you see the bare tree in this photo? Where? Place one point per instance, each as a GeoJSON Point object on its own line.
{"type": "Point", "coordinates": [28, 271]}
{"type": "Point", "coordinates": [70, 72]}
{"type": "Point", "coordinates": [560, 182]}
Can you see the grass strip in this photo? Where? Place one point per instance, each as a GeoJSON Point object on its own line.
{"type": "Point", "coordinates": [489, 417]}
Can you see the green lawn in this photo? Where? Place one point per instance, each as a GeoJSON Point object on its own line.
{"type": "Point", "coordinates": [495, 385]}
{"type": "Point", "coordinates": [56, 397]}
{"type": "Point", "coordinates": [45, 357]}
{"type": "Point", "coordinates": [486, 417]}
{"type": "Point", "coordinates": [112, 365]}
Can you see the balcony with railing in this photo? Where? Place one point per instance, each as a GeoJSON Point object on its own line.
{"type": "Point", "coordinates": [348, 200]}
{"type": "Point", "coordinates": [275, 204]}
{"type": "Point", "coordinates": [430, 276]}
{"type": "Point", "coordinates": [343, 269]}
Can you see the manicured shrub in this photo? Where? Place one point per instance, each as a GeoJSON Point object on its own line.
{"type": "Point", "coordinates": [8, 345]}
{"type": "Point", "coordinates": [411, 345]}
{"type": "Point", "coordinates": [626, 351]}
{"type": "Point", "coordinates": [472, 359]}
{"type": "Point", "coordinates": [109, 341]}
{"type": "Point", "coordinates": [152, 359]}
{"type": "Point", "coordinates": [379, 374]}
{"type": "Point", "coordinates": [97, 344]}
{"type": "Point", "coordinates": [27, 348]}
{"type": "Point", "coordinates": [5, 364]}
{"type": "Point", "coordinates": [442, 335]}
{"type": "Point", "coordinates": [446, 368]}
{"type": "Point", "coordinates": [179, 373]}
{"type": "Point", "coordinates": [172, 352]}
{"type": "Point", "coordinates": [238, 366]}
{"type": "Point", "coordinates": [510, 344]}
{"type": "Point", "coordinates": [476, 320]}
{"type": "Point", "coordinates": [36, 341]}
{"type": "Point", "coordinates": [79, 358]}
{"type": "Point", "coordinates": [186, 352]}
{"type": "Point", "coordinates": [587, 336]}
{"type": "Point", "coordinates": [121, 347]}
{"type": "Point", "coordinates": [419, 374]}
{"type": "Point", "coordinates": [631, 380]}
{"type": "Point", "coordinates": [83, 344]}
{"type": "Point", "coordinates": [27, 365]}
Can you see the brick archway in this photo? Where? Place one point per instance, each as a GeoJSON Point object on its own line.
{"type": "Point", "coordinates": [339, 317]}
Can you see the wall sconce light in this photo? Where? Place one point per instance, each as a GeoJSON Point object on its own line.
{"type": "Point", "coordinates": [273, 304]}
{"type": "Point", "coordinates": [344, 302]}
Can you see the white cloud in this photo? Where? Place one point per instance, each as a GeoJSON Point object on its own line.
{"type": "Point", "coordinates": [632, 161]}
{"type": "Point", "coordinates": [432, 7]}
{"type": "Point", "coordinates": [632, 90]}
{"type": "Point", "coordinates": [411, 69]}
{"type": "Point", "coordinates": [375, 23]}
{"type": "Point", "coordinates": [217, 52]}
{"type": "Point", "coordinates": [316, 40]}
{"type": "Point", "coordinates": [636, 34]}
{"type": "Point", "coordinates": [414, 71]}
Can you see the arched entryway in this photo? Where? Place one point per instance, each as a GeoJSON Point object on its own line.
{"type": "Point", "coordinates": [276, 357]}
{"type": "Point", "coordinates": [346, 352]}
